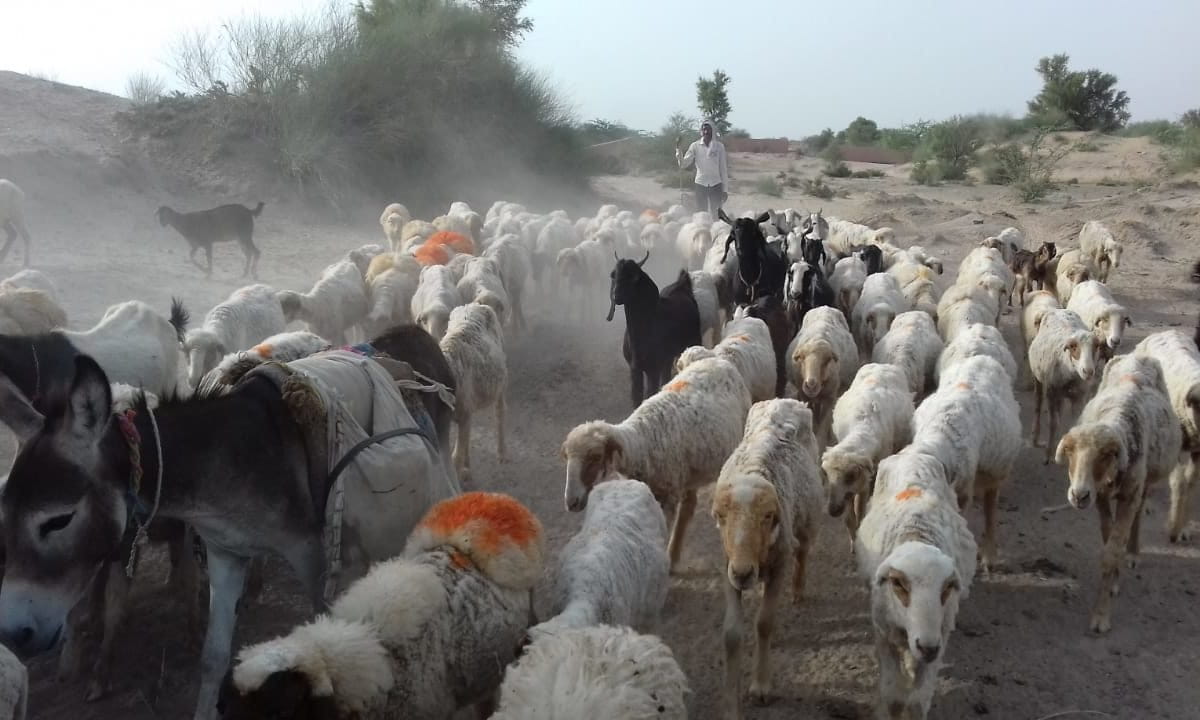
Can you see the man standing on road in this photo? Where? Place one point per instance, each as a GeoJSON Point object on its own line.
{"type": "Point", "coordinates": [712, 170]}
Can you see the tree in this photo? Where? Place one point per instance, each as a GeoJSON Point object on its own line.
{"type": "Point", "coordinates": [862, 132]}
{"type": "Point", "coordinates": [713, 100]}
{"type": "Point", "coordinates": [505, 15]}
{"type": "Point", "coordinates": [1191, 119]}
{"type": "Point", "coordinates": [1080, 100]}
{"type": "Point", "coordinates": [952, 144]}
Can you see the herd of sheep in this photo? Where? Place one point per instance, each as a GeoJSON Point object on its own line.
{"type": "Point", "coordinates": [896, 410]}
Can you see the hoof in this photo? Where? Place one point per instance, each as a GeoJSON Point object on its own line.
{"type": "Point", "coordinates": [1101, 624]}
{"type": "Point", "coordinates": [760, 694]}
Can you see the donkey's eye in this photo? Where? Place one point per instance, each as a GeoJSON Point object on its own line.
{"type": "Point", "coordinates": [54, 524]}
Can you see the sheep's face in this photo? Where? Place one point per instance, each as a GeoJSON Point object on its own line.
{"type": "Point", "coordinates": [878, 322]}
{"type": "Point", "coordinates": [204, 353]}
{"type": "Point", "coordinates": [435, 322]}
{"type": "Point", "coordinates": [1080, 350]}
{"type": "Point", "coordinates": [284, 695]}
{"type": "Point", "coordinates": [1110, 327]}
{"type": "Point", "coordinates": [818, 367]}
{"type": "Point", "coordinates": [847, 474]}
{"type": "Point", "coordinates": [1093, 455]}
{"type": "Point", "coordinates": [748, 517]}
{"type": "Point", "coordinates": [1112, 253]}
{"type": "Point", "coordinates": [1077, 274]}
{"type": "Point", "coordinates": [592, 453]}
{"type": "Point", "coordinates": [917, 588]}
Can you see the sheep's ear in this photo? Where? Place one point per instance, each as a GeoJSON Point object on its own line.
{"type": "Point", "coordinates": [882, 573]}
{"type": "Point", "coordinates": [1128, 321]}
{"type": "Point", "coordinates": [1066, 448]}
{"type": "Point", "coordinates": [612, 452]}
{"type": "Point", "coordinates": [16, 411]}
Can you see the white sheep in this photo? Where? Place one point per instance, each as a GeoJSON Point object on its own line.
{"type": "Point", "coordinates": [1180, 360]}
{"type": "Point", "coordinates": [1037, 305]}
{"type": "Point", "coordinates": [1070, 269]}
{"type": "Point", "coordinates": [32, 279]}
{"type": "Point", "coordinates": [515, 263]}
{"type": "Point", "coordinates": [708, 303]}
{"type": "Point", "coordinates": [414, 233]}
{"type": "Point", "coordinates": [1095, 305]}
{"type": "Point", "coordinates": [822, 359]}
{"type": "Point", "coordinates": [12, 217]}
{"type": "Point", "coordinates": [26, 311]}
{"type": "Point", "coordinates": [913, 344]}
{"type": "Point", "coordinates": [283, 347]}
{"type": "Point", "coordinates": [675, 442]}
{"type": "Point", "coordinates": [436, 296]}
{"type": "Point", "coordinates": [849, 275]}
{"type": "Point", "coordinates": [392, 281]}
{"type": "Point", "coordinates": [747, 344]}
{"type": "Point", "coordinates": [1127, 440]}
{"type": "Point", "coordinates": [692, 243]}
{"type": "Point", "coordinates": [972, 424]}
{"type": "Point", "coordinates": [881, 301]}
{"type": "Point", "coordinates": [584, 268]}
{"type": "Point", "coordinates": [363, 255]}
{"type": "Point", "coordinates": [336, 302]}
{"type": "Point", "coordinates": [872, 420]}
{"type": "Point", "coordinates": [919, 254]}
{"type": "Point", "coordinates": [844, 236]}
{"type": "Point", "coordinates": [917, 556]}
{"type": "Point", "coordinates": [481, 283]}
{"type": "Point", "coordinates": [420, 636]}
{"type": "Point", "coordinates": [961, 306]}
{"type": "Point", "coordinates": [767, 505]}
{"type": "Point", "coordinates": [1063, 362]}
{"type": "Point", "coordinates": [985, 268]}
{"type": "Point", "coordinates": [977, 339]}
{"type": "Point", "coordinates": [594, 672]}
{"type": "Point", "coordinates": [615, 570]}
{"type": "Point", "coordinates": [474, 348]}
{"type": "Point", "coordinates": [556, 236]}
{"type": "Point", "coordinates": [1102, 250]}
{"type": "Point", "coordinates": [244, 319]}
{"type": "Point", "coordinates": [133, 344]}
{"type": "Point", "coordinates": [393, 219]}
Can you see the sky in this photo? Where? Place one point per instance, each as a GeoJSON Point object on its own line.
{"type": "Point", "coordinates": [796, 66]}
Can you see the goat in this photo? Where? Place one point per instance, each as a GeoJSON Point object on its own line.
{"type": "Point", "coordinates": [1030, 267]}
{"type": "Point", "coordinates": [872, 257]}
{"type": "Point", "coordinates": [761, 269]}
{"type": "Point", "coordinates": [202, 228]}
{"type": "Point", "coordinates": [770, 309]}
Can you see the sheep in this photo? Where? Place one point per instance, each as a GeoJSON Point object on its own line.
{"type": "Point", "coordinates": [913, 344]}
{"type": "Point", "coordinates": [615, 570]}
{"type": "Point", "coordinates": [415, 232]}
{"type": "Point", "coordinates": [1095, 305]}
{"type": "Point", "coordinates": [977, 339]}
{"type": "Point", "coordinates": [1037, 304]}
{"type": "Point", "coordinates": [693, 242]}
{"type": "Point", "coordinates": [12, 217]}
{"type": "Point", "coordinates": [767, 505]}
{"type": "Point", "coordinates": [1180, 361]}
{"type": "Point", "coordinates": [33, 280]}
{"type": "Point", "coordinates": [881, 301]}
{"type": "Point", "coordinates": [14, 686]}
{"type": "Point", "coordinates": [392, 281]}
{"type": "Point", "coordinates": [986, 269]}
{"type": "Point", "coordinates": [583, 268]}
{"type": "Point", "coordinates": [337, 301]}
{"type": "Point", "coordinates": [1063, 362]}
{"type": "Point", "coordinates": [920, 255]}
{"type": "Point", "coordinates": [481, 283]}
{"type": "Point", "coordinates": [872, 420]}
{"type": "Point", "coordinates": [246, 317]}
{"type": "Point", "coordinates": [421, 635]}
{"type": "Point", "coordinates": [708, 304]}
{"type": "Point", "coordinates": [1102, 250]}
{"type": "Point", "coordinates": [972, 424]}
{"type": "Point", "coordinates": [436, 296]}
{"type": "Point", "coordinates": [202, 228]}
{"type": "Point", "coordinates": [917, 556]}
{"type": "Point", "coordinates": [594, 672]}
{"type": "Point", "coordinates": [849, 275]}
{"type": "Point", "coordinates": [474, 348]}
{"type": "Point", "coordinates": [25, 311]}
{"type": "Point", "coordinates": [393, 219]}
{"type": "Point", "coordinates": [674, 441]}
{"type": "Point", "coordinates": [1126, 440]}
{"type": "Point", "coordinates": [961, 306]}
{"type": "Point", "coordinates": [845, 235]}
{"type": "Point", "coordinates": [282, 347]}
{"type": "Point", "coordinates": [823, 360]}
{"type": "Point", "coordinates": [555, 236]}
{"type": "Point", "coordinates": [516, 266]}
{"type": "Point", "coordinates": [1070, 270]}
{"type": "Point", "coordinates": [747, 344]}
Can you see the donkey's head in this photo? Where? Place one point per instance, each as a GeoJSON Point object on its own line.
{"type": "Point", "coordinates": [64, 508]}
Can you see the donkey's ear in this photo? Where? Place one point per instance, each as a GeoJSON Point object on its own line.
{"type": "Point", "coordinates": [763, 218]}
{"type": "Point", "coordinates": [90, 401]}
{"type": "Point", "coordinates": [16, 412]}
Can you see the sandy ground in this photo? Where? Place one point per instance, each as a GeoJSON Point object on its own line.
{"type": "Point", "coordinates": [1022, 649]}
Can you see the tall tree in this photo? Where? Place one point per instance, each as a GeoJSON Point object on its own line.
{"type": "Point", "coordinates": [713, 99]}
{"type": "Point", "coordinates": [1081, 100]}
{"type": "Point", "coordinates": [505, 15]}
{"type": "Point", "coordinates": [862, 132]}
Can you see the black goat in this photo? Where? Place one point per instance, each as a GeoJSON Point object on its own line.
{"type": "Point", "coordinates": [807, 289]}
{"type": "Point", "coordinates": [872, 257]}
{"type": "Point", "coordinates": [413, 345]}
{"type": "Point", "coordinates": [658, 326]}
{"type": "Point", "coordinates": [770, 309]}
{"type": "Point", "coordinates": [813, 251]}
{"type": "Point", "coordinates": [762, 269]}
{"type": "Point", "coordinates": [204, 227]}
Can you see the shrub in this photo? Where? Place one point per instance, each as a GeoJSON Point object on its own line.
{"type": "Point", "coordinates": [143, 89]}
{"type": "Point", "coordinates": [952, 146]}
{"type": "Point", "coordinates": [1190, 119]}
{"type": "Point", "coordinates": [861, 174]}
{"type": "Point", "coordinates": [768, 186]}
{"type": "Point", "coordinates": [818, 189]}
{"type": "Point", "coordinates": [815, 144]}
{"type": "Point", "coordinates": [999, 164]}
{"type": "Point", "coordinates": [905, 138]}
{"type": "Point", "coordinates": [1029, 170]}
{"type": "Point", "coordinates": [837, 169]}
{"type": "Point", "coordinates": [1185, 155]}
{"type": "Point", "coordinates": [925, 172]}
{"type": "Point", "coordinates": [862, 131]}
{"type": "Point", "coordinates": [1086, 146]}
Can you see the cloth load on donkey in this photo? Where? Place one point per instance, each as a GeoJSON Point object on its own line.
{"type": "Point", "coordinates": [374, 470]}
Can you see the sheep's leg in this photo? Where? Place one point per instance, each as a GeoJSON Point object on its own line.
{"type": "Point", "coordinates": [801, 567]}
{"type": "Point", "coordinates": [12, 236]}
{"type": "Point", "coordinates": [991, 499]}
{"type": "Point", "coordinates": [852, 520]}
{"type": "Point", "coordinates": [1054, 410]}
{"type": "Point", "coordinates": [1110, 560]}
{"type": "Point", "coordinates": [1180, 481]}
{"type": "Point", "coordinates": [116, 591]}
{"type": "Point", "coordinates": [760, 685]}
{"type": "Point", "coordinates": [462, 447]}
{"type": "Point", "coordinates": [1039, 392]}
{"type": "Point", "coordinates": [683, 516]}
{"type": "Point", "coordinates": [192, 256]}
{"type": "Point", "coordinates": [1133, 545]}
{"type": "Point", "coordinates": [226, 575]}
{"type": "Point", "coordinates": [891, 687]}
{"type": "Point", "coordinates": [24, 233]}
{"type": "Point", "coordinates": [1105, 511]}
{"type": "Point", "coordinates": [501, 412]}
{"type": "Point", "coordinates": [733, 650]}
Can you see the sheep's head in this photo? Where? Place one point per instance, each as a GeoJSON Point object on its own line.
{"type": "Point", "coordinates": [1112, 252]}
{"type": "Point", "coordinates": [847, 473]}
{"type": "Point", "coordinates": [877, 322]}
{"type": "Point", "coordinates": [795, 279]}
{"type": "Point", "coordinates": [292, 304]}
{"type": "Point", "coordinates": [818, 366]}
{"type": "Point", "coordinates": [917, 588]}
{"type": "Point", "coordinates": [1094, 454]}
{"type": "Point", "coordinates": [1110, 326]}
{"type": "Point", "coordinates": [498, 304]}
{"type": "Point", "coordinates": [691, 355]}
{"type": "Point", "coordinates": [748, 516]}
{"type": "Point", "coordinates": [435, 321]}
{"type": "Point", "coordinates": [204, 350]}
{"type": "Point", "coordinates": [592, 452]}
{"type": "Point", "coordinates": [1081, 349]}
{"type": "Point", "coordinates": [1078, 273]}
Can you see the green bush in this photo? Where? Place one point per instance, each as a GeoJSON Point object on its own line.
{"type": "Point", "coordinates": [1086, 146]}
{"type": "Point", "coordinates": [1029, 170]}
{"type": "Point", "coordinates": [862, 174]}
{"type": "Point", "coordinates": [862, 131]}
{"type": "Point", "coordinates": [1185, 155]}
{"type": "Point", "coordinates": [951, 146]}
{"type": "Point", "coordinates": [925, 172]}
{"type": "Point", "coordinates": [768, 186]}
{"type": "Point", "coordinates": [836, 169]}
{"type": "Point", "coordinates": [999, 164]}
{"type": "Point", "coordinates": [905, 138]}
{"type": "Point", "coordinates": [818, 189]}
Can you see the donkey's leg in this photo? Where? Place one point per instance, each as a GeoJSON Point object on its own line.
{"type": "Point", "coordinates": [226, 575]}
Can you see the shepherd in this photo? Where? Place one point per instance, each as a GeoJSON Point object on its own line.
{"type": "Point", "coordinates": [712, 169]}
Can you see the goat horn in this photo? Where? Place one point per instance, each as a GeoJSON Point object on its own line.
{"type": "Point", "coordinates": [643, 262]}
{"type": "Point", "coordinates": [616, 256]}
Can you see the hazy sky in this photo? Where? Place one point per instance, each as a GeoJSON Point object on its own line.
{"type": "Point", "coordinates": [796, 66]}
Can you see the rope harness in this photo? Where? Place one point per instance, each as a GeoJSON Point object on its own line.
{"type": "Point", "coordinates": [137, 511]}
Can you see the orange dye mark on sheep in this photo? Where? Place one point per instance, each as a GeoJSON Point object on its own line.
{"type": "Point", "coordinates": [263, 350]}
{"type": "Point", "coordinates": [909, 493]}
{"type": "Point", "coordinates": [461, 243]}
{"type": "Point", "coordinates": [961, 386]}
{"type": "Point", "coordinates": [1129, 379]}
{"type": "Point", "coordinates": [491, 519]}
{"type": "Point", "coordinates": [459, 560]}
{"type": "Point", "coordinates": [740, 338]}
{"type": "Point", "coordinates": [676, 386]}
{"type": "Point", "coordinates": [432, 255]}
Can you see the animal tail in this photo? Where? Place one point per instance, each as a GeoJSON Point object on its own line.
{"type": "Point", "coordinates": [179, 318]}
{"type": "Point", "coordinates": [257, 210]}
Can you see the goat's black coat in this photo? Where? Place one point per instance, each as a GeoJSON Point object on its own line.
{"type": "Point", "coordinates": [762, 268]}
{"type": "Point", "coordinates": [813, 251]}
{"type": "Point", "coordinates": [770, 310]}
{"type": "Point", "coordinates": [202, 228]}
{"type": "Point", "coordinates": [413, 345]}
{"type": "Point", "coordinates": [872, 257]}
{"type": "Point", "coordinates": [658, 326]}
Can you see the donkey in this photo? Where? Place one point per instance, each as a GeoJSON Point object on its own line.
{"type": "Point", "coordinates": [233, 465]}
{"type": "Point", "coordinates": [761, 269]}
